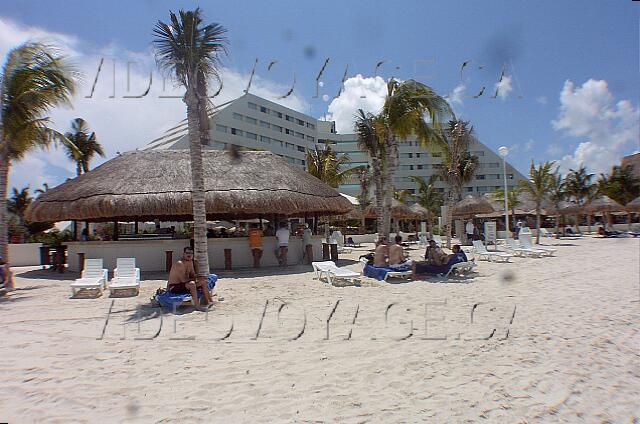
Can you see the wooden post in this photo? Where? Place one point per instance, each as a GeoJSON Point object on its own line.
{"type": "Point", "coordinates": [135, 227]}
{"type": "Point", "coordinates": [75, 230]}
{"type": "Point", "coordinates": [168, 260]}
{"type": "Point", "coordinates": [326, 254]}
{"type": "Point", "coordinates": [81, 261]}
{"type": "Point", "coordinates": [227, 259]}
{"type": "Point", "coordinates": [115, 230]}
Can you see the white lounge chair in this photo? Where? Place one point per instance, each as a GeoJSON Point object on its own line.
{"type": "Point", "coordinates": [461, 268]}
{"type": "Point", "coordinates": [482, 252]}
{"type": "Point", "coordinates": [527, 243]}
{"type": "Point", "coordinates": [93, 277]}
{"type": "Point", "coordinates": [328, 271]}
{"type": "Point", "coordinates": [521, 251]}
{"type": "Point", "coordinates": [125, 276]}
{"type": "Point", "coordinates": [544, 232]}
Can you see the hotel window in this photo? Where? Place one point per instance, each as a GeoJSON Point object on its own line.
{"type": "Point", "coordinates": [310, 125]}
{"type": "Point", "coordinates": [437, 166]}
{"type": "Point", "coordinates": [478, 153]}
{"type": "Point", "coordinates": [440, 190]}
{"type": "Point", "coordinates": [311, 139]}
{"type": "Point", "coordinates": [251, 120]}
{"type": "Point", "coordinates": [250, 135]}
{"type": "Point", "coordinates": [264, 139]}
{"type": "Point", "coordinates": [421, 166]}
{"type": "Point", "coordinates": [498, 188]}
{"type": "Point", "coordinates": [406, 167]}
{"type": "Point", "coordinates": [277, 141]}
{"type": "Point", "coordinates": [418, 155]}
{"type": "Point", "coordinates": [300, 162]}
{"type": "Point", "coordinates": [276, 128]}
{"type": "Point", "coordinates": [493, 165]}
{"type": "Point", "coordinates": [289, 118]}
{"type": "Point", "coordinates": [480, 177]}
{"type": "Point", "coordinates": [468, 189]}
{"type": "Point", "coordinates": [289, 145]}
{"type": "Point", "coordinates": [278, 114]}
{"type": "Point", "coordinates": [264, 109]}
{"type": "Point", "coordinates": [236, 131]}
{"type": "Point", "coordinates": [221, 128]}
{"type": "Point", "coordinates": [264, 124]}
{"type": "Point", "coordinates": [290, 160]}
{"type": "Point", "coordinates": [288, 131]}
{"type": "Point", "coordinates": [303, 162]}
{"type": "Point", "coordinates": [301, 149]}
{"type": "Point", "coordinates": [482, 189]}
{"type": "Point", "coordinates": [252, 106]}
{"type": "Point", "coordinates": [406, 155]}
{"type": "Point", "coordinates": [237, 116]}
{"type": "Point", "coordinates": [300, 135]}
{"type": "Point", "coordinates": [300, 122]}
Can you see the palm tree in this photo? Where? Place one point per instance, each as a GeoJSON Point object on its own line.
{"type": "Point", "coordinates": [512, 199]}
{"type": "Point", "coordinates": [44, 189]}
{"type": "Point", "coordinates": [190, 51]}
{"type": "Point", "coordinates": [327, 166]}
{"type": "Point", "coordinates": [540, 182]}
{"type": "Point", "coordinates": [458, 165]}
{"type": "Point", "coordinates": [87, 145]}
{"type": "Point", "coordinates": [557, 193]}
{"type": "Point", "coordinates": [428, 195]}
{"type": "Point", "coordinates": [19, 202]}
{"type": "Point", "coordinates": [402, 115]}
{"type": "Point", "coordinates": [367, 129]}
{"type": "Point", "coordinates": [34, 79]}
{"type": "Point", "coordinates": [579, 186]}
{"type": "Point", "coordinates": [620, 185]}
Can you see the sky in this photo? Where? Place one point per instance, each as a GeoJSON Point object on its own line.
{"type": "Point", "coordinates": [569, 89]}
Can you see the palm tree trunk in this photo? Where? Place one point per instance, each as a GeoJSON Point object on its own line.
{"type": "Point", "coordinates": [4, 181]}
{"type": "Point", "coordinates": [537, 224]}
{"type": "Point", "coordinates": [197, 185]}
{"type": "Point", "coordinates": [449, 220]}
{"type": "Point", "coordinates": [392, 165]}
{"type": "Point", "coordinates": [78, 168]}
{"type": "Point", "coordinates": [379, 193]}
{"type": "Point", "coordinates": [589, 223]}
{"type": "Point", "coordinates": [578, 223]}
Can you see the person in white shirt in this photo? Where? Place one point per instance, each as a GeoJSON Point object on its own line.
{"type": "Point", "coordinates": [283, 244]}
{"type": "Point", "coordinates": [470, 229]}
{"type": "Point", "coordinates": [306, 244]}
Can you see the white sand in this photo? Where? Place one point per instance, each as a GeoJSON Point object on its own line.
{"type": "Point", "coordinates": [571, 355]}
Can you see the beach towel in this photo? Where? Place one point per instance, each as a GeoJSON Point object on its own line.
{"type": "Point", "coordinates": [166, 299]}
{"type": "Point", "coordinates": [377, 272]}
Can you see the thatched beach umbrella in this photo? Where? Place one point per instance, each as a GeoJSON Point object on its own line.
{"type": "Point", "coordinates": [634, 205]}
{"type": "Point", "coordinates": [421, 212]}
{"type": "Point", "coordinates": [605, 205]}
{"type": "Point", "coordinates": [398, 211]}
{"type": "Point", "coordinates": [472, 205]}
{"type": "Point", "coordinates": [156, 184]}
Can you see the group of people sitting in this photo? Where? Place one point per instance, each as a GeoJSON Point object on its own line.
{"type": "Point", "coordinates": [435, 260]}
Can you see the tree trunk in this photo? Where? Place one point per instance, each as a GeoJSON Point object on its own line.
{"type": "Point", "coordinates": [392, 164]}
{"type": "Point", "coordinates": [197, 185]}
{"type": "Point", "coordinates": [78, 168]}
{"type": "Point", "coordinates": [578, 223]}
{"type": "Point", "coordinates": [379, 192]}
{"type": "Point", "coordinates": [588, 223]}
{"type": "Point", "coordinates": [449, 219]}
{"type": "Point", "coordinates": [557, 226]}
{"type": "Point", "coordinates": [4, 181]}
{"type": "Point", "coordinates": [537, 224]}
{"type": "Point", "coordinates": [628, 221]}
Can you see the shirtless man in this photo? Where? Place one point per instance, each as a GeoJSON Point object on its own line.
{"type": "Point", "coordinates": [396, 253]}
{"type": "Point", "coordinates": [381, 253]}
{"type": "Point", "coordinates": [182, 279]}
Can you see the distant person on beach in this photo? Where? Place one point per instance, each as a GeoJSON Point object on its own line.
{"type": "Point", "coordinates": [434, 254]}
{"type": "Point", "coordinates": [307, 245]}
{"type": "Point", "coordinates": [182, 279]}
{"type": "Point", "coordinates": [396, 254]}
{"type": "Point", "coordinates": [470, 229]}
{"type": "Point", "coordinates": [6, 276]}
{"type": "Point", "coordinates": [255, 243]}
{"type": "Point", "coordinates": [283, 244]}
{"type": "Point", "coordinates": [381, 254]}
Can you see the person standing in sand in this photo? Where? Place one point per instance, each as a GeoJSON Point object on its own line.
{"type": "Point", "coordinates": [283, 244]}
{"type": "Point", "coordinates": [182, 279]}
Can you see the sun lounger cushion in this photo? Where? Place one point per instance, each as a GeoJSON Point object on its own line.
{"type": "Point", "coordinates": [376, 272]}
{"type": "Point", "coordinates": [168, 299]}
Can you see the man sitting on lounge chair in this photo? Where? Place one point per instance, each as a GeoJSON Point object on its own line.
{"type": "Point", "coordinates": [397, 259]}
{"type": "Point", "coordinates": [437, 261]}
{"type": "Point", "coordinates": [182, 279]}
{"type": "Point", "coordinates": [381, 254]}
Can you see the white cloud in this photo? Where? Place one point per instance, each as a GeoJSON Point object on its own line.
{"type": "Point", "coordinates": [457, 94]}
{"type": "Point", "coordinates": [529, 144]}
{"type": "Point", "coordinates": [121, 124]}
{"type": "Point", "coordinates": [554, 150]}
{"type": "Point", "coordinates": [504, 87]}
{"type": "Point", "coordinates": [607, 129]}
{"type": "Point", "coordinates": [542, 100]}
{"type": "Point", "coordinates": [359, 92]}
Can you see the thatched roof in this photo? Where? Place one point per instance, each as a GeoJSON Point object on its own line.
{"type": "Point", "coordinates": [421, 211]}
{"type": "Point", "coordinates": [604, 204]}
{"type": "Point", "coordinates": [156, 184]}
{"type": "Point", "coordinates": [472, 205]}
{"type": "Point", "coordinates": [398, 211]}
{"type": "Point", "coordinates": [500, 213]}
{"type": "Point", "coordinates": [634, 205]}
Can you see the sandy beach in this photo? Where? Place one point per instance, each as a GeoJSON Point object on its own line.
{"type": "Point", "coordinates": [552, 340]}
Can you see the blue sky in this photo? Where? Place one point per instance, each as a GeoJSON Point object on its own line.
{"type": "Point", "coordinates": [570, 91]}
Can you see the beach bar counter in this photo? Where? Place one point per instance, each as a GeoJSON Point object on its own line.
{"type": "Point", "coordinates": [155, 185]}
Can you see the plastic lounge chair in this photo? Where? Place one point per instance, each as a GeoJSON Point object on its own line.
{"type": "Point", "coordinates": [544, 232]}
{"type": "Point", "coordinates": [171, 300]}
{"type": "Point", "coordinates": [93, 277]}
{"type": "Point", "coordinates": [482, 252]}
{"type": "Point", "coordinates": [525, 239]}
{"type": "Point", "coordinates": [437, 239]}
{"type": "Point", "coordinates": [125, 276]}
{"type": "Point", "coordinates": [461, 268]}
{"type": "Point", "coordinates": [521, 251]}
{"type": "Point", "coordinates": [322, 268]}
{"type": "Point", "coordinates": [335, 275]}
{"type": "Point", "coordinates": [351, 243]}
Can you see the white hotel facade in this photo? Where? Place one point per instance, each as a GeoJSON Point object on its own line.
{"type": "Point", "coordinates": [256, 123]}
